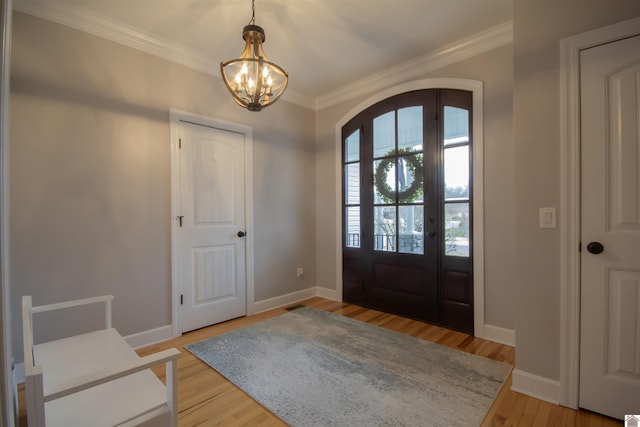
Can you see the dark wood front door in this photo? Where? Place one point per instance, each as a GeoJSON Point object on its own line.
{"type": "Point", "coordinates": [407, 199]}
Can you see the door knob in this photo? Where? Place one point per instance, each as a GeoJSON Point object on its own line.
{"type": "Point", "coordinates": [431, 233]}
{"type": "Point", "coordinates": [241, 234]}
{"type": "Point", "coordinates": [595, 248]}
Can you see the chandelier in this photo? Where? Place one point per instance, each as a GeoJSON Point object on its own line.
{"type": "Point", "coordinates": [253, 80]}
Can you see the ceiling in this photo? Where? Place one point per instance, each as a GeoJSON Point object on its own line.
{"type": "Point", "coordinates": [324, 45]}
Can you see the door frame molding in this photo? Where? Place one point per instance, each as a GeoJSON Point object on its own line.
{"type": "Point", "coordinates": [569, 218]}
{"type": "Point", "coordinates": [476, 87]}
{"type": "Point", "coordinates": [8, 406]}
{"type": "Point", "coordinates": [176, 118]}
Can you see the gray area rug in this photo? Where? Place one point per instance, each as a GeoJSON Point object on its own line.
{"type": "Point", "coordinates": [313, 368]}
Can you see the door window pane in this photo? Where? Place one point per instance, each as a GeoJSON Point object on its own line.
{"type": "Point", "coordinates": [384, 178]}
{"type": "Point", "coordinates": [410, 129]}
{"type": "Point", "coordinates": [352, 218]}
{"type": "Point", "coordinates": [456, 229]}
{"type": "Point", "coordinates": [456, 172]}
{"type": "Point", "coordinates": [352, 147]}
{"type": "Point", "coordinates": [352, 184]}
{"type": "Point", "coordinates": [384, 228]}
{"type": "Point", "coordinates": [384, 135]}
{"type": "Point", "coordinates": [411, 229]}
{"type": "Point", "coordinates": [410, 175]}
{"type": "Point", "coordinates": [456, 125]}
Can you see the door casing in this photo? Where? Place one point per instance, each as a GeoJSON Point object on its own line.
{"type": "Point", "coordinates": [569, 217]}
{"type": "Point", "coordinates": [176, 117]}
{"type": "Point", "coordinates": [476, 87]}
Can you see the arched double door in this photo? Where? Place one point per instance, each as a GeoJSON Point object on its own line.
{"type": "Point", "coordinates": [407, 200]}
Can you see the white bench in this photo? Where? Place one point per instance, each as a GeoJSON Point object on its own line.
{"type": "Point", "coordinates": [95, 379]}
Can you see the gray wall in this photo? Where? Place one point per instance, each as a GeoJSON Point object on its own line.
{"type": "Point", "coordinates": [494, 69]}
{"type": "Point", "coordinates": [90, 176]}
{"type": "Point", "coordinates": [539, 25]}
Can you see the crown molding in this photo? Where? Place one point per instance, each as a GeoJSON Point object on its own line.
{"type": "Point", "coordinates": [107, 28]}
{"type": "Point", "coordinates": [487, 40]}
{"type": "Point", "coordinates": [110, 29]}
{"type": "Point", "coordinates": [102, 26]}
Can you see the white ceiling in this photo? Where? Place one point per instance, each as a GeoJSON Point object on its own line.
{"type": "Point", "coordinates": [323, 44]}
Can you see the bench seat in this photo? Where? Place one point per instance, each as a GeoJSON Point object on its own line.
{"type": "Point", "coordinates": [107, 404]}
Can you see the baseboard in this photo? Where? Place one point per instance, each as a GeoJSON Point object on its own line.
{"type": "Point", "coordinates": [536, 386]}
{"type": "Point", "coordinates": [152, 336]}
{"type": "Point", "coordinates": [292, 298]}
{"type": "Point", "coordinates": [500, 335]}
{"type": "Point", "coordinates": [330, 294]}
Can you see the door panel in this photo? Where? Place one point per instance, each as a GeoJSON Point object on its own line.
{"type": "Point", "coordinates": [610, 281]}
{"type": "Point", "coordinates": [211, 259]}
{"type": "Point", "coordinates": [213, 181]}
{"type": "Point", "coordinates": [214, 273]}
{"type": "Point", "coordinates": [397, 248]}
{"type": "Point", "coordinates": [624, 185]}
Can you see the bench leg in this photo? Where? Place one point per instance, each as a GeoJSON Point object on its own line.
{"type": "Point", "coordinates": [172, 390]}
{"type": "Point", "coordinates": [34, 396]}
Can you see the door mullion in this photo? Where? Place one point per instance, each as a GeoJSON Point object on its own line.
{"type": "Point", "coordinates": [366, 189]}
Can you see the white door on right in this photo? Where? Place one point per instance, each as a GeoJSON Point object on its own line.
{"type": "Point", "coordinates": [610, 257]}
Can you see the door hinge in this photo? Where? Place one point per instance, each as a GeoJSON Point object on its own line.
{"type": "Point", "coordinates": [579, 246]}
{"type": "Point", "coordinates": [181, 299]}
{"type": "Point", "coordinates": [179, 143]}
{"type": "Point", "coordinates": [180, 218]}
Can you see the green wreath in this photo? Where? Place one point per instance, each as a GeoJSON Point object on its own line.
{"type": "Point", "coordinates": [414, 191]}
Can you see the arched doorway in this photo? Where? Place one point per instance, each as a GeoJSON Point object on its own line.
{"type": "Point", "coordinates": [407, 207]}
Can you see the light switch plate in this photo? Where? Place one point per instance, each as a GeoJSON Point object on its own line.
{"type": "Point", "coordinates": [547, 217]}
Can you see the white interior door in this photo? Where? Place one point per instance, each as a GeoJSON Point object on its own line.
{"type": "Point", "coordinates": [610, 280]}
{"type": "Point", "coordinates": [211, 245]}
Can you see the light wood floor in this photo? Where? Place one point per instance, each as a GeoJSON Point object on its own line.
{"type": "Point", "coordinates": [205, 398]}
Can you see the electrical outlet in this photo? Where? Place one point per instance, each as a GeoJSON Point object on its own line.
{"type": "Point", "coordinates": [300, 272]}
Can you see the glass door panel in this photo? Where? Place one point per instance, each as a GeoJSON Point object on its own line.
{"type": "Point", "coordinates": [384, 225]}
{"type": "Point", "coordinates": [456, 229]}
{"type": "Point", "coordinates": [456, 172]}
{"type": "Point", "coordinates": [352, 183]}
{"type": "Point", "coordinates": [456, 181]}
{"type": "Point", "coordinates": [456, 125]}
{"type": "Point", "coordinates": [351, 192]}
{"type": "Point", "coordinates": [384, 177]}
{"type": "Point", "coordinates": [410, 129]}
{"type": "Point", "coordinates": [410, 179]}
{"type": "Point", "coordinates": [411, 229]}
{"type": "Point", "coordinates": [384, 135]}
{"type": "Point", "coordinates": [352, 225]}
{"type": "Point", "coordinates": [352, 147]}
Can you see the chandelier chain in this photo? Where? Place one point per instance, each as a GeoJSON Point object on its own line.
{"type": "Point", "coordinates": [253, 12]}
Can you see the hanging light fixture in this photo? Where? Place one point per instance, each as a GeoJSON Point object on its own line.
{"type": "Point", "coordinates": [253, 80]}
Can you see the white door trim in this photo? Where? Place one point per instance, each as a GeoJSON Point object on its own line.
{"type": "Point", "coordinates": [7, 406]}
{"type": "Point", "coordinates": [569, 218]}
{"type": "Point", "coordinates": [176, 117]}
{"type": "Point", "coordinates": [476, 87]}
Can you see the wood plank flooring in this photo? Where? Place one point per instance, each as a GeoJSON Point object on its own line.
{"type": "Point", "coordinates": [205, 398]}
